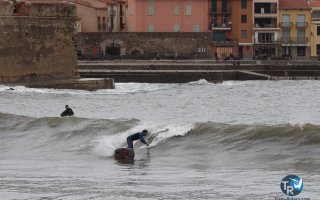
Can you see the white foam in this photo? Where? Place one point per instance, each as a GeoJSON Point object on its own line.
{"type": "Point", "coordinates": [200, 82]}
{"type": "Point", "coordinates": [106, 145]}
{"type": "Point", "coordinates": [125, 88]}
{"type": "Point", "coordinates": [171, 131]}
{"type": "Point", "coordinates": [234, 83]}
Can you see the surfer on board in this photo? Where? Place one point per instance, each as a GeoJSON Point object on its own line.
{"type": "Point", "coordinates": [68, 112]}
{"type": "Point", "coordinates": [137, 136]}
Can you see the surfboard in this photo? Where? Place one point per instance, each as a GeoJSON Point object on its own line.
{"type": "Point", "coordinates": [124, 154]}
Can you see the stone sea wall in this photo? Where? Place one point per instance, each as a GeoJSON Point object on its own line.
{"type": "Point", "coordinates": [145, 45]}
{"type": "Point", "coordinates": [37, 40]}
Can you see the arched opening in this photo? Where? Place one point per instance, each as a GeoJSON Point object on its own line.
{"type": "Point", "coordinates": [136, 53]}
{"type": "Point", "coordinates": [113, 49]}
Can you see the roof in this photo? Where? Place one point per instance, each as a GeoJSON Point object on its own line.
{"type": "Point", "coordinates": [315, 3]}
{"type": "Point", "coordinates": [293, 5]}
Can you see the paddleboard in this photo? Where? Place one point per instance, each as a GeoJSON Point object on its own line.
{"type": "Point", "coordinates": [124, 154]}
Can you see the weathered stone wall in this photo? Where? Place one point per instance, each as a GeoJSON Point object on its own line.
{"type": "Point", "coordinates": [6, 8]}
{"type": "Point", "coordinates": [40, 43]}
{"type": "Point", "coordinates": [145, 45]}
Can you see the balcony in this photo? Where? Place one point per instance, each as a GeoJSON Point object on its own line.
{"type": "Point", "coordinates": [265, 26]}
{"type": "Point", "coordinates": [292, 41]}
{"type": "Point", "coordinates": [265, 8]}
{"type": "Point", "coordinates": [226, 42]}
{"type": "Point", "coordinates": [315, 15]}
{"type": "Point", "coordinates": [301, 25]}
{"type": "Point", "coordinates": [266, 41]}
{"type": "Point", "coordinates": [286, 25]}
{"type": "Point", "coordinates": [220, 26]}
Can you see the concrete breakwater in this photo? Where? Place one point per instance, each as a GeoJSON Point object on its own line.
{"type": "Point", "coordinates": [190, 70]}
{"type": "Point", "coordinates": [76, 84]}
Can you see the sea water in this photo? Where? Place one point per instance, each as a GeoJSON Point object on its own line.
{"type": "Point", "coordinates": [235, 140]}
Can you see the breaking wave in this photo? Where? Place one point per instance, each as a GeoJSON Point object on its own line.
{"type": "Point", "coordinates": [100, 137]}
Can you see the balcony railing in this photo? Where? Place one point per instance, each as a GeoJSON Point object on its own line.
{"type": "Point", "coordinates": [302, 25]}
{"type": "Point", "coordinates": [227, 41]}
{"type": "Point", "coordinates": [265, 26]}
{"type": "Point", "coordinates": [266, 41]}
{"type": "Point", "coordinates": [286, 25]}
{"type": "Point", "coordinates": [294, 40]}
{"type": "Point", "coordinates": [220, 26]}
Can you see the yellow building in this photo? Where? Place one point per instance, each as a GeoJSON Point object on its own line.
{"type": "Point", "coordinates": [315, 29]}
{"type": "Point", "coordinates": [295, 18]}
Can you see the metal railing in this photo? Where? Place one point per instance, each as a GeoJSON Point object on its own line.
{"type": "Point", "coordinates": [294, 40]}
{"type": "Point", "coordinates": [286, 25]}
{"type": "Point", "coordinates": [226, 41]}
{"type": "Point", "coordinates": [266, 41]}
{"type": "Point", "coordinates": [265, 26]}
{"type": "Point", "coordinates": [302, 24]}
{"type": "Point", "coordinates": [220, 25]}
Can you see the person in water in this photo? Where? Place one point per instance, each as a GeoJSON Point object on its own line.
{"type": "Point", "coordinates": [137, 136]}
{"type": "Point", "coordinates": [68, 112]}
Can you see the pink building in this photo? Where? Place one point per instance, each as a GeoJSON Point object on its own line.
{"type": "Point", "coordinates": [168, 15]}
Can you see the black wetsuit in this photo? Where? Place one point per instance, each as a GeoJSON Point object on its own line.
{"type": "Point", "coordinates": [67, 112]}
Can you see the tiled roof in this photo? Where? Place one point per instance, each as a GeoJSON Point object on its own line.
{"type": "Point", "coordinates": [293, 4]}
{"type": "Point", "coordinates": [315, 3]}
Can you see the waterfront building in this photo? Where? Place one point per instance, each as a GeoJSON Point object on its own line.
{"type": "Point", "coordinates": [315, 29]}
{"type": "Point", "coordinates": [231, 25]}
{"type": "Point", "coordinates": [265, 28]}
{"type": "Point", "coordinates": [295, 18]}
{"type": "Point", "coordinates": [168, 15]}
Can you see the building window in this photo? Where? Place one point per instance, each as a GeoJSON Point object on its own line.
{"type": "Point", "coordinates": [196, 28]}
{"type": "Point", "coordinates": [243, 4]}
{"type": "Point", "coordinates": [301, 35]}
{"type": "Point", "coordinates": [99, 24]}
{"type": "Point", "coordinates": [301, 51]}
{"type": "Point", "coordinates": [318, 49]}
{"type": "Point", "coordinates": [104, 24]}
{"type": "Point", "coordinates": [318, 30]}
{"type": "Point", "coordinates": [286, 33]}
{"type": "Point", "coordinates": [243, 34]}
{"type": "Point", "coordinates": [176, 28]}
{"type": "Point", "coordinates": [213, 6]}
{"type": "Point", "coordinates": [151, 28]}
{"type": "Point", "coordinates": [224, 20]}
{"type": "Point", "coordinates": [176, 10]}
{"type": "Point", "coordinates": [189, 8]}
{"type": "Point", "coordinates": [224, 6]}
{"type": "Point", "coordinates": [266, 38]}
{"type": "Point", "coordinates": [151, 9]}
{"type": "Point", "coordinates": [243, 18]}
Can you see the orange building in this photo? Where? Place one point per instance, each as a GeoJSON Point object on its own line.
{"type": "Point", "coordinates": [231, 25]}
{"type": "Point", "coordinates": [168, 15]}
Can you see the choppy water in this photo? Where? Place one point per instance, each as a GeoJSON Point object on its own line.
{"type": "Point", "coordinates": [235, 140]}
